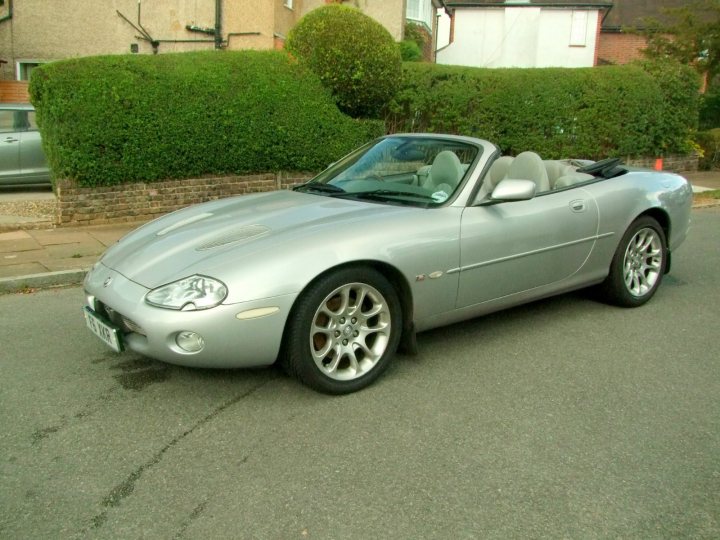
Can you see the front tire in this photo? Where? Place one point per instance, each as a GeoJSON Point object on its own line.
{"type": "Point", "coordinates": [638, 265]}
{"type": "Point", "coordinates": [343, 331]}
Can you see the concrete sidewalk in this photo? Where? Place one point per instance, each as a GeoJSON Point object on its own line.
{"type": "Point", "coordinates": [34, 258]}
{"type": "Point", "coordinates": [34, 254]}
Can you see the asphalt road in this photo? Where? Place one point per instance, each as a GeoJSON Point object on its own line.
{"type": "Point", "coordinates": [565, 418]}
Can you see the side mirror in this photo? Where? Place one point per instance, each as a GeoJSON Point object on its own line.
{"type": "Point", "coordinates": [511, 190]}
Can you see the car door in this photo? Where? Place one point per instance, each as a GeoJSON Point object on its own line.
{"type": "Point", "coordinates": [513, 247]}
{"type": "Point", "coordinates": [33, 165]}
{"type": "Point", "coordinates": [9, 146]}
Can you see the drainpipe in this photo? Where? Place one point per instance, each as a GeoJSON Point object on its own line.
{"type": "Point", "coordinates": [10, 12]}
{"type": "Point", "coordinates": [218, 24]}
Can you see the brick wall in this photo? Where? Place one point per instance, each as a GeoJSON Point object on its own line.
{"type": "Point", "coordinates": [141, 201]}
{"type": "Point", "coordinates": [619, 48]}
{"type": "Point", "coordinates": [677, 164]}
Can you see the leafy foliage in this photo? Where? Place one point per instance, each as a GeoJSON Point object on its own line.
{"type": "Point", "coordinates": [354, 56]}
{"type": "Point", "coordinates": [409, 51]}
{"type": "Point", "coordinates": [689, 34]}
{"type": "Point", "coordinates": [709, 141]}
{"type": "Point", "coordinates": [107, 120]}
{"type": "Point", "coordinates": [710, 110]}
{"type": "Point", "coordinates": [588, 113]}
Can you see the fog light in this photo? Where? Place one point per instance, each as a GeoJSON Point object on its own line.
{"type": "Point", "coordinates": [190, 341]}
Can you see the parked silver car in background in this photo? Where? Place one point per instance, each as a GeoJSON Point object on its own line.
{"type": "Point", "coordinates": [22, 160]}
{"type": "Point", "coordinates": [408, 233]}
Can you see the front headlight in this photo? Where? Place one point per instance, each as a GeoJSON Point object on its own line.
{"type": "Point", "coordinates": [188, 294]}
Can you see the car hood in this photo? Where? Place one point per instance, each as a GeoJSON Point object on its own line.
{"type": "Point", "coordinates": [210, 235]}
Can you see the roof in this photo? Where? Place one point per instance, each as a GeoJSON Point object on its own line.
{"type": "Point", "coordinates": [451, 4]}
{"type": "Point", "coordinates": [629, 13]}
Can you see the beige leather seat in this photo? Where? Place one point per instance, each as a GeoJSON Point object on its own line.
{"type": "Point", "coordinates": [529, 166]}
{"type": "Point", "coordinates": [445, 172]}
{"type": "Point", "coordinates": [497, 172]}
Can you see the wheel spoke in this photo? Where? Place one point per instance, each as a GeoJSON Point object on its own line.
{"type": "Point", "coordinates": [380, 325]}
{"type": "Point", "coordinates": [354, 365]}
{"type": "Point", "coordinates": [332, 367]}
{"type": "Point", "coordinates": [325, 349]}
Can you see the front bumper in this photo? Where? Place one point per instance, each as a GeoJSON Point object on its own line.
{"type": "Point", "coordinates": [229, 341]}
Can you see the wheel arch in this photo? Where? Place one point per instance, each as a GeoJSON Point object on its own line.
{"type": "Point", "coordinates": [663, 219]}
{"type": "Point", "coordinates": [390, 272]}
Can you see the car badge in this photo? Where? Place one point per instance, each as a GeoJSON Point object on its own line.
{"type": "Point", "coordinates": [107, 281]}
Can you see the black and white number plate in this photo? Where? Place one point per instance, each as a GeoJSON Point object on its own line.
{"type": "Point", "coordinates": [102, 329]}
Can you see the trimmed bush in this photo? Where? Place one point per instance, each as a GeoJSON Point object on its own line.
{"type": "Point", "coordinates": [679, 86]}
{"type": "Point", "coordinates": [108, 120]}
{"type": "Point", "coordinates": [589, 113]}
{"type": "Point", "coordinates": [354, 56]}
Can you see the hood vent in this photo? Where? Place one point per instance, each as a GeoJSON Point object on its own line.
{"type": "Point", "coordinates": [231, 237]}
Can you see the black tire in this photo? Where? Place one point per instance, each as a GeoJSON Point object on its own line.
{"type": "Point", "coordinates": [638, 265]}
{"type": "Point", "coordinates": [335, 346]}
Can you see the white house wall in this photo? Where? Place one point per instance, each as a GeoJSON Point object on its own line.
{"type": "Point", "coordinates": [518, 37]}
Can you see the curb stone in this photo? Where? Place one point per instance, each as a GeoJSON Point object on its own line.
{"type": "Point", "coordinates": [39, 281]}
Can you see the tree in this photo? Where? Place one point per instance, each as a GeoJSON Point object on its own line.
{"type": "Point", "coordinates": [689, 34]}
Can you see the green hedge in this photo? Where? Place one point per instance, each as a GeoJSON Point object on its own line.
{"type": "Point", "coordinates": [587, 112]}
{"type": "Point", "coordinates": [108, 120]}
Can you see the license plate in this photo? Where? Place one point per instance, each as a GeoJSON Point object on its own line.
{"type": "Point", "coordinates": [102, 329]}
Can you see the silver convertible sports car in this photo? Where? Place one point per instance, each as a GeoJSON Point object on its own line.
{"type": "Point", "coordinates": [407, 233]}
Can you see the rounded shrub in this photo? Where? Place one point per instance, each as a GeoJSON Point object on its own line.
{"type": "Point", "coordinates": [354, 56]}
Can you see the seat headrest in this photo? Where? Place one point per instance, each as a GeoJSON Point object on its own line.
{"type": "Point", "coordinates": [446, 169]}
{"type": "Point", "coordinates": [529, 166]}
{"type": "Point", "coordinates": [497, 171]}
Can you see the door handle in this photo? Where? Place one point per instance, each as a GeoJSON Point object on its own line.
{"type": "Point", "coordinates": [9, 140]}
{"type": "Point", "coordinates": [578, 206]}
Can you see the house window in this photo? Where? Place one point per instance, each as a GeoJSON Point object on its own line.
{"type": "Point", "coordinates": [288, 4]}
{"type": "Point", "coordinates": [24, 69]}
{"type": "Point", "coordinates": [578, 29]}
{"type": "Point", "coordinates": [420, 11]}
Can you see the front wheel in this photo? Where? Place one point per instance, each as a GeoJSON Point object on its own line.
{"type": "Point", "coordinates": [638, 266]}
{"type": "Point", "coordinates": [343, 331]}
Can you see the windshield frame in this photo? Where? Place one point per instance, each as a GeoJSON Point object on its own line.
{"type": "Point", "coordinates": [379, 193]}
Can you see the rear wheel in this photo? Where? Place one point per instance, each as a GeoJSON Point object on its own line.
{"type": "Point", "coordinates": [638, 266]}
{"type": "Point", "coordinates": [343, 331]}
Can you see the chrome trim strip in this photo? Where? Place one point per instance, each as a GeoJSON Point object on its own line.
{"type": "Point", "coordinates": [534, 252]}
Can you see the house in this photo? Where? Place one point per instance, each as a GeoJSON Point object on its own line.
{"type": "Point", "coordinates": [524, 33]}
{"type": "Point", "coordinates": [37, 31]}
{"type": "Point", "coordinates": [618, 43]}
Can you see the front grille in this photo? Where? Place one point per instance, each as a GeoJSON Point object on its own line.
{"type": "Point", "coordinates": [118, 319]}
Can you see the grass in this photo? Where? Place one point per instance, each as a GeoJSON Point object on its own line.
{"type": "Point", "coordinates": [714, 194]}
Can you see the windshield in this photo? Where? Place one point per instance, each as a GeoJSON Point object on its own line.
{"type": "Point", "coordinates": [420, 171]}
